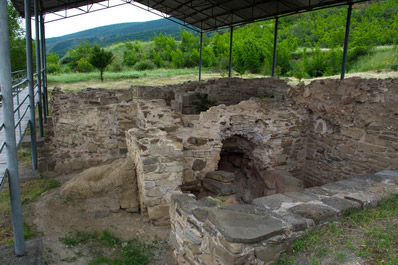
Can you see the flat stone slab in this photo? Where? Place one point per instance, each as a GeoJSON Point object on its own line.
{"type": "Point", "coordinates": [273, 202]}
{"type": "Point", "coordinates": [221, 176]}
{"type": "Point", "coordinates": [318, 213]}
{"type": "Point", "coordinates": [248, 208]}
{"type": "Point", "coordinates": [218, 187]}
{"type": "Point", "coordinates": [342, 205]}
{"type": "Point", "coordinates": [366, 199]}
{"type": "Point", "coordinates": [239, 227]}
{"type": "Point", "coordinates": [321, 192]}
{"type": "Point", "coordinates": [301, 196]}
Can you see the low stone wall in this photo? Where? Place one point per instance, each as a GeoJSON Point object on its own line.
{"type": "Point", "coordinates": [204, 232]}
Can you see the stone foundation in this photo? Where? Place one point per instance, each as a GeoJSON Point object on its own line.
{"type": "Point", "coordinates": [326, 132]}
{"type": "Point", "coordinates": [205, 232]}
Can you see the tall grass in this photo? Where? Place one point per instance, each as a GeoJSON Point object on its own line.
{"type": "Point", "coordinates": [128, 74]}
{"type": "Point", "coordinates": [377, 59]}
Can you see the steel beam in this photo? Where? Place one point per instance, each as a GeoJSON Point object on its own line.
{"type": "Point", "coordinates": [230, 51]}
{"type": "Point", "coordinates": [29, 72]}
{"type": "Point", "coordinates": [38, 64]}
{"type": "Point", "coordinates": [275, 46]}
{"type": "Point", "coordinates": [200, 56]}
{"type": "Point", "coordinates": [347, 35]}
{"type": "Point", "coordinates": [9, 131]}
{"type": "Point", "coordinates": [44, 67]}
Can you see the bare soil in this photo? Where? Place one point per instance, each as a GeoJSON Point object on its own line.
{"type": "Point", "coordinates": [53, 217]}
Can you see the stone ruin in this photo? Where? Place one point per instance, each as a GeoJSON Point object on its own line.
{"type": "Point", "coordinates": [243, 180]}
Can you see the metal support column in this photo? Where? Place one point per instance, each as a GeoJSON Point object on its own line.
{"type": "Point", "coordinates": [347, 35]}
{"type": "Point", "coordinates": [200, 56]}
{"type": "Point", "coordinates": [44, 67]}
{"type": "Point", "coordinates": [230, 52]}
{"type": "Point", "coordinates": [275, 46]}
{"type": "Point", "coordinates": [38, 65]}
{"type": "Point", "coordinates": [29, 72]}
{"type": "Point", "coordinates": [9, 131]}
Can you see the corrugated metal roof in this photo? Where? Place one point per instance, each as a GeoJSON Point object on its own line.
{"type": "Point", "coordinates": [208, 15]}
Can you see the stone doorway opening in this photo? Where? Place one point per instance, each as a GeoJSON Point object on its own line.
{"type": "Point", "coordinates": [243, 177]}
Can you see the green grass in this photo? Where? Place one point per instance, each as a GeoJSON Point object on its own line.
{"type": "Point", "coordinates": [369, 235]}
{"type": "Point", "coordinates": [30, 191]}
{"type": "Point", "coordinates": [379, 59]}
{"type": "Point", "coordinates": [128, 74]}
{"type": "Point", "coordinates": [109, 249]}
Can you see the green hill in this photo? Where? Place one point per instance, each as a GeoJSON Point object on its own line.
{"type": "Point", "coordinates": [115, 33]}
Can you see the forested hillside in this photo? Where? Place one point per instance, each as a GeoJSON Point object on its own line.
{"type": "Point", "coordinates": [309, 45]}
{"type": "Point", "coordinates": [111, 34]}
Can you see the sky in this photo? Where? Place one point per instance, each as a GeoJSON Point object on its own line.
{"type": "Point", "coordinates": [114, 15]}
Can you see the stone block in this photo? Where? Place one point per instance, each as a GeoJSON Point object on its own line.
{"type": "Point", "coordinates": [273, 202]}
{"type": "Point", "coordinates": [366, 199]}
{"type": "Point", "coordinates": [227, 258]}
{"type": "Point", "coordinates": [342, 205]}
{"type": "Point", "coordinates": [239, 227]}
{"type": "Point", "coordinates": [219, 188]}
{"type": "Point", "coordinates": [301, 196]}
{"type": "Point", "coordinates": [270, 252]}
{"type": "Point", "coordinates": [198, 164]}
{"type": "Point", "coordinates": [316, 212]}
{"type": "Point", "coordinates": [221, 176]}
{"type": "Point", "coordinates": [158, 212]}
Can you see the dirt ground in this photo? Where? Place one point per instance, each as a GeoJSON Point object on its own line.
{"type": "Point", "coordinates": [52, 217]}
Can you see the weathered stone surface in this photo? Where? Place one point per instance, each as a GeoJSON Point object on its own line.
{"type": "Point", "coordinates": [244, 228]}
{"type": "Point", "coordinates": [159, 214]}
{"type": "Point", "coordinates": [342, 205]}
{"type": "Point", "coordinates": [198, 164]}
{"type": "Point", "coordinates": [225, 257]}
{"type": "Point", "coordinates": [221, 176]}
{"type": "Point", "coordinates": [366, 199]}
{"type": "Point", "coordinates": [219, 188]}
{"type": "Point", "coordinates": [316, 212]}
{"type": "Point", "coordinates": [270, 252]}
{"type": "Point", "coordinates": [273, 202]}
{"type": "Point", "coordinates": [248, 208]}
{"type": "Point", "coordinates": [301, 196]}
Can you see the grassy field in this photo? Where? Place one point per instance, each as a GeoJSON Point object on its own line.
{"type": "Point", "coordinates": [365, 237]}
{"type": "Point", "coordinates": [378, 59]}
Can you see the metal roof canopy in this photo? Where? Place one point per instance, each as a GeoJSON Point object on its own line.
{"type": "Point", "coordinates": [205, 15]}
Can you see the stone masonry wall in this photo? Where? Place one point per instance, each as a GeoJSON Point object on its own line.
{"type": "Point", "coordinates": [353, 127]}
{"type": "Point", "coordinates": [158, 157]}
{"type": "Point", "coordinates": [205, 232]}
{"type": "Point", "coordinates": [87, 128]}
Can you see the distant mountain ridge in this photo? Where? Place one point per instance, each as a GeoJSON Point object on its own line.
{"type": "Point", "coordinates": [107, 35]}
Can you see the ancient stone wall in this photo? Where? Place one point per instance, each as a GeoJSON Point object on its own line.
{"type": "Point", "coordinates": [353, 127]}
{"type": "Point", "coordinates": [158, 157]}
{"type": "Point", "coordinates": [87, 128]}
{"type": "Point", "coordinates": [228, 91]}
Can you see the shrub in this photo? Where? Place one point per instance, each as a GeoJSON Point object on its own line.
{"type": "Point", "coordinates": [83, 66]}
{"type": "Point", "coordinates": [144, 65]}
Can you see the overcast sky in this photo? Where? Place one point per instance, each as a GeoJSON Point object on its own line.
{"type": "Point", "coordinates": [114, 15]}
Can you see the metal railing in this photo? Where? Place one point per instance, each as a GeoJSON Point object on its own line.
{"type": "Point", "coordinates": [21, 107]}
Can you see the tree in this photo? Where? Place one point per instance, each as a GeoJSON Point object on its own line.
{"type": "Point", "coordinates": [17, 40]}
{"type": "Point", "coordinates": [100, 59]}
